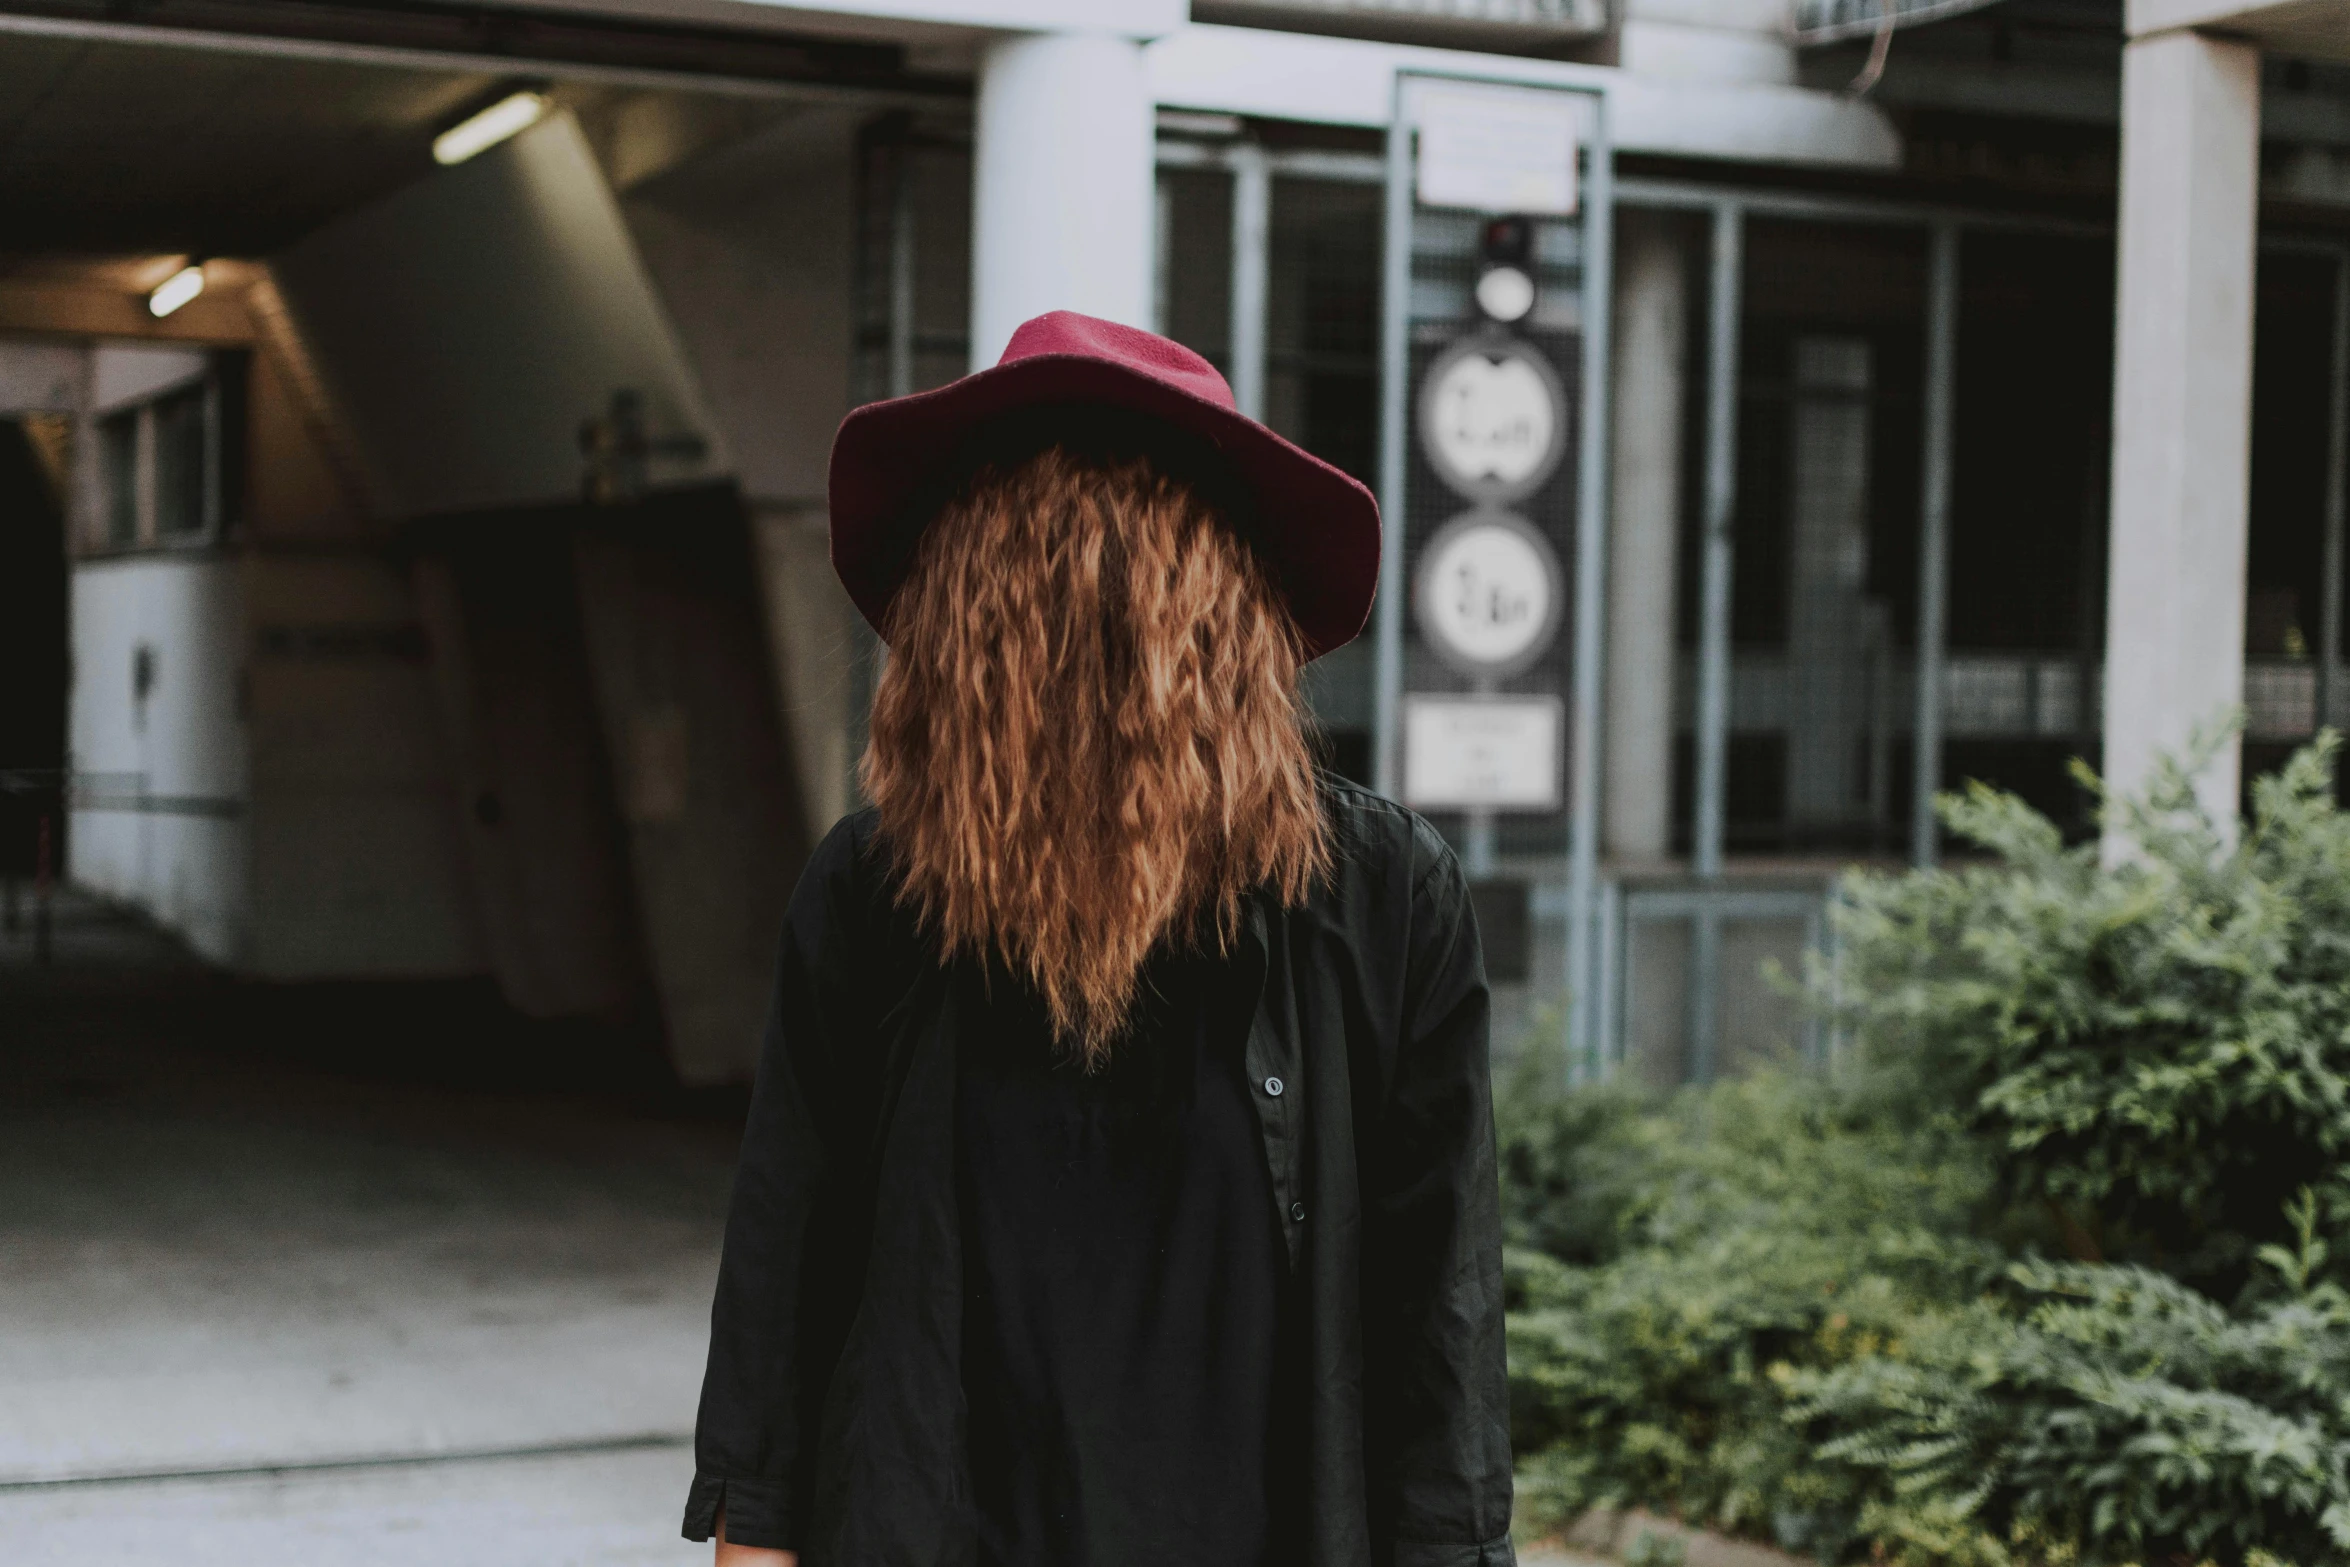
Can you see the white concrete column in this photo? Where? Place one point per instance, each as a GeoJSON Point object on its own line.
{"type": "Point", "coordinates": [1061, 209]}
{"type": "Point", "coordinates": [2174, 642]}
{"type": "Point", "coordinates": [1651, 353]}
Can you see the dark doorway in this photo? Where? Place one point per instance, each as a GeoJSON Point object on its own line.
{"type": "Point", "coordinates": [32, 642]}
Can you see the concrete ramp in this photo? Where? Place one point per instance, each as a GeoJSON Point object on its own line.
{"type": "Point", "coordinates": [634, 821]}
{"type": "Point", "coordinates": [543, 838]}
{"type": "Point", "coordinates": [677, 648]}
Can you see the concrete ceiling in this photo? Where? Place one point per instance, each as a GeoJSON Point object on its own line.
{"type": "Point", "coordinates": [2309, 29]}
{"type": "Point", "coordinates": [234, 127]}
{"type": "Point", "coordinates": [115, 147]}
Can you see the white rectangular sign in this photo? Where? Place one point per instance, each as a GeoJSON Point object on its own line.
{"type": "Point", "coordinates": [1497, 149]}
{"type": "Point", "coordinates": [1494, 753]}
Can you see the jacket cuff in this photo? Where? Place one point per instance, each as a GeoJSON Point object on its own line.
{"type": "Point", "coordinates": [1496, 1552]}
{"type": "Point", "coordinates": [758, 1512]}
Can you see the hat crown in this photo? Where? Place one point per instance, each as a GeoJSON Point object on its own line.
{"type": "Point", "coordinates": [1067, 333]}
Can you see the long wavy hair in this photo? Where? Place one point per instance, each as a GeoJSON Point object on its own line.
{"type": "Point", "coordinates": [1088, 737]}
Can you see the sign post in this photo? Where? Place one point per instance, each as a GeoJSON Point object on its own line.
{"type": "Point", "coordinates": [1493, 356]}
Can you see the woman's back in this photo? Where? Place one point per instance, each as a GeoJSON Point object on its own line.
{"type": "Point", "coordinates": [1128, 1331]}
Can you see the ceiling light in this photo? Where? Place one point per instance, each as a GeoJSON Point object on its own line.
{"type": "Point", "coordinates": [507, 117]}
{"type": "Point", "coordinates": [176, 290]}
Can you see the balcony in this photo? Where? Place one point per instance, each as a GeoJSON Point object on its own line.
{"type": "Point", "coordinates": [1499, 26]}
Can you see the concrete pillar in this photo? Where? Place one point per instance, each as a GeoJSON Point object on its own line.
{"type": "Point", "coordinates": [1651, 331]}
{"type": "Point", "coordinates": [1061, 208]}
{"type": "Point", "coordinates": [2174, 644]}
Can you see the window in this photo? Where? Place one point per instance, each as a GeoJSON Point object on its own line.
{"type": "Point", "coordinates": [183, 441]}
{"type": "Point", "coordinates": [166, 458]}
{"type": "Point", "coordinates": [118, 462]}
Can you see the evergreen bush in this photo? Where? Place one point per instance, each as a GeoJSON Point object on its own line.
{"type": "Point", "coordinates": [2048, 1271]}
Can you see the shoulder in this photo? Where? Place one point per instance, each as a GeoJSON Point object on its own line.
{"type": "Point", "coordinates": [845, 857]}
{"type": "Point", "coordinates": [846, 880]}
{"type": "Point", "coordinates": [1374, 839]}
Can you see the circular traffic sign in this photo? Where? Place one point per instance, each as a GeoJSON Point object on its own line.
{"type": "Point", "coordinates": [1489, 593]}
{"type": "Point", "coordinates": [1493, 418]}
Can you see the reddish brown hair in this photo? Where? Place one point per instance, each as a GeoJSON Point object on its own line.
{"type": "Point", "coordinates": [1088, 737]}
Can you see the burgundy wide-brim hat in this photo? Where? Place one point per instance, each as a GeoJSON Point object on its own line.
{"type": "Point", "coordinates": [1316, 527]}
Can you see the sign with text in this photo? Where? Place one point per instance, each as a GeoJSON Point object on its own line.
{"type": "Point", "coordinates": [1497, 149]}
{"type": "Point", "coordinates": [1493, 419]}
{"type": "Point", "coordinates": [1489, 596]}
{"type": "Point", "coordinates": [1497, 753]}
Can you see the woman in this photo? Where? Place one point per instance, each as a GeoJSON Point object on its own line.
{"type": "Point", "coordinates": [1119, 1183]}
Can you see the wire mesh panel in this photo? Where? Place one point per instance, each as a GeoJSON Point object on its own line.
{"type": "Point", "coordinates": [2294, 504]}
{"type": "Point", "coordinates": [1824, 591]}
{"type": "Point", "coordinates": [2031, 449]}
{"type": "Point", "coordinates": [911, 298]}
{"type": "Point", "coordinates": [1193, 284]}
{"type": "Point", "coordinates": [913, 279]}
{"type": "Point", "coordinates": [1322, 321]}
{"type": "Point", "coordinates": [1322, 391]}
{"type": "Point", "coordinates": [1762, 931]}
{"type": "Point", "coordinates": [1317, 339]}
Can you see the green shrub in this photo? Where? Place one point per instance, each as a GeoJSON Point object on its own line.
{"type": "Point", "coordinates": [2106, 1407]}
{"type": "Point", "coordinates": [1824, 1311]}
{"type": "Point", "coordinates": [1728, 1240]}
{"type": "Point", "coordinates": [2158, 1053]}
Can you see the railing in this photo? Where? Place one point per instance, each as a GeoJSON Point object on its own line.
{"type": "Point", "coordinates": [1833, 21]}
{"type": "Point", "coordinates": [33, 799]}
{"type": "Point", "coordinates": [2004, 696]}
{"type": "Point", "coordinates": [1550, 20]}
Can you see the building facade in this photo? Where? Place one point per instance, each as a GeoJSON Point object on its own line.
{"type": "Point", "coordinates": [1920, 393]}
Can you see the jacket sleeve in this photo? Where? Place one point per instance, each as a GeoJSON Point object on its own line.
{"type": "Point", "coordinates": [792, 1268]}
{"type": "Point", "coordinates": [1437, 1378]}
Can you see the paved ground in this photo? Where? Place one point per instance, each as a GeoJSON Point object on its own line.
{"type": "Point", "coordinates": [333, 1276]}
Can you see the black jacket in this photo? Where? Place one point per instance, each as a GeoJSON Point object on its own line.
{"type": "Point", "coordinates": [832, 1412]}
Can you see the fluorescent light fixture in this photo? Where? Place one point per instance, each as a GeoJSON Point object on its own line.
{"type": "Point", "coordinates": [509, 116]}
{"type": "Point", "coordinates": [176, 290]}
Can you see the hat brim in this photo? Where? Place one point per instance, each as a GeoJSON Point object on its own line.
{"type": "Point", "coordinates": [1315, 526]}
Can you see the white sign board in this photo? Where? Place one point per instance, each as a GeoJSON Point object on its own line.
{"type": "Point", "coordinates": [1488, 593]}
{"type": "Point", "coordinates": [1491, 420]}
{"type": "Point", "coordinates": [1497, 149]}
{"type": "Point", "coordinates": [1483, 753]}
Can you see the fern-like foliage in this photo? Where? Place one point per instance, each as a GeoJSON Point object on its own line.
{"type": "Point", "coordinates": [2050, 1273]}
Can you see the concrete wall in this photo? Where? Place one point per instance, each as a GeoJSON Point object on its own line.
{"type": "Point", "coordinates": [752, 250]}
{"type": "Point", "coordinates": [356, 865]}
{"type": "Point", "coordinates": [678, 655]}
{"type": "Point", "coordinates": [167, 828]}
{"type": "Point", "coordinates": [549, 880]}
{"type": "Point", "coordinates": [469, 324]}
{"type": "Point", "coordinates": [292, 492]}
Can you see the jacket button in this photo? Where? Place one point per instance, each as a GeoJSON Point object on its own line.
{"type": "Point", "coordinates": [1297, 1212]}
{"type": "Point", "coordinates": [1273, 1086]}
